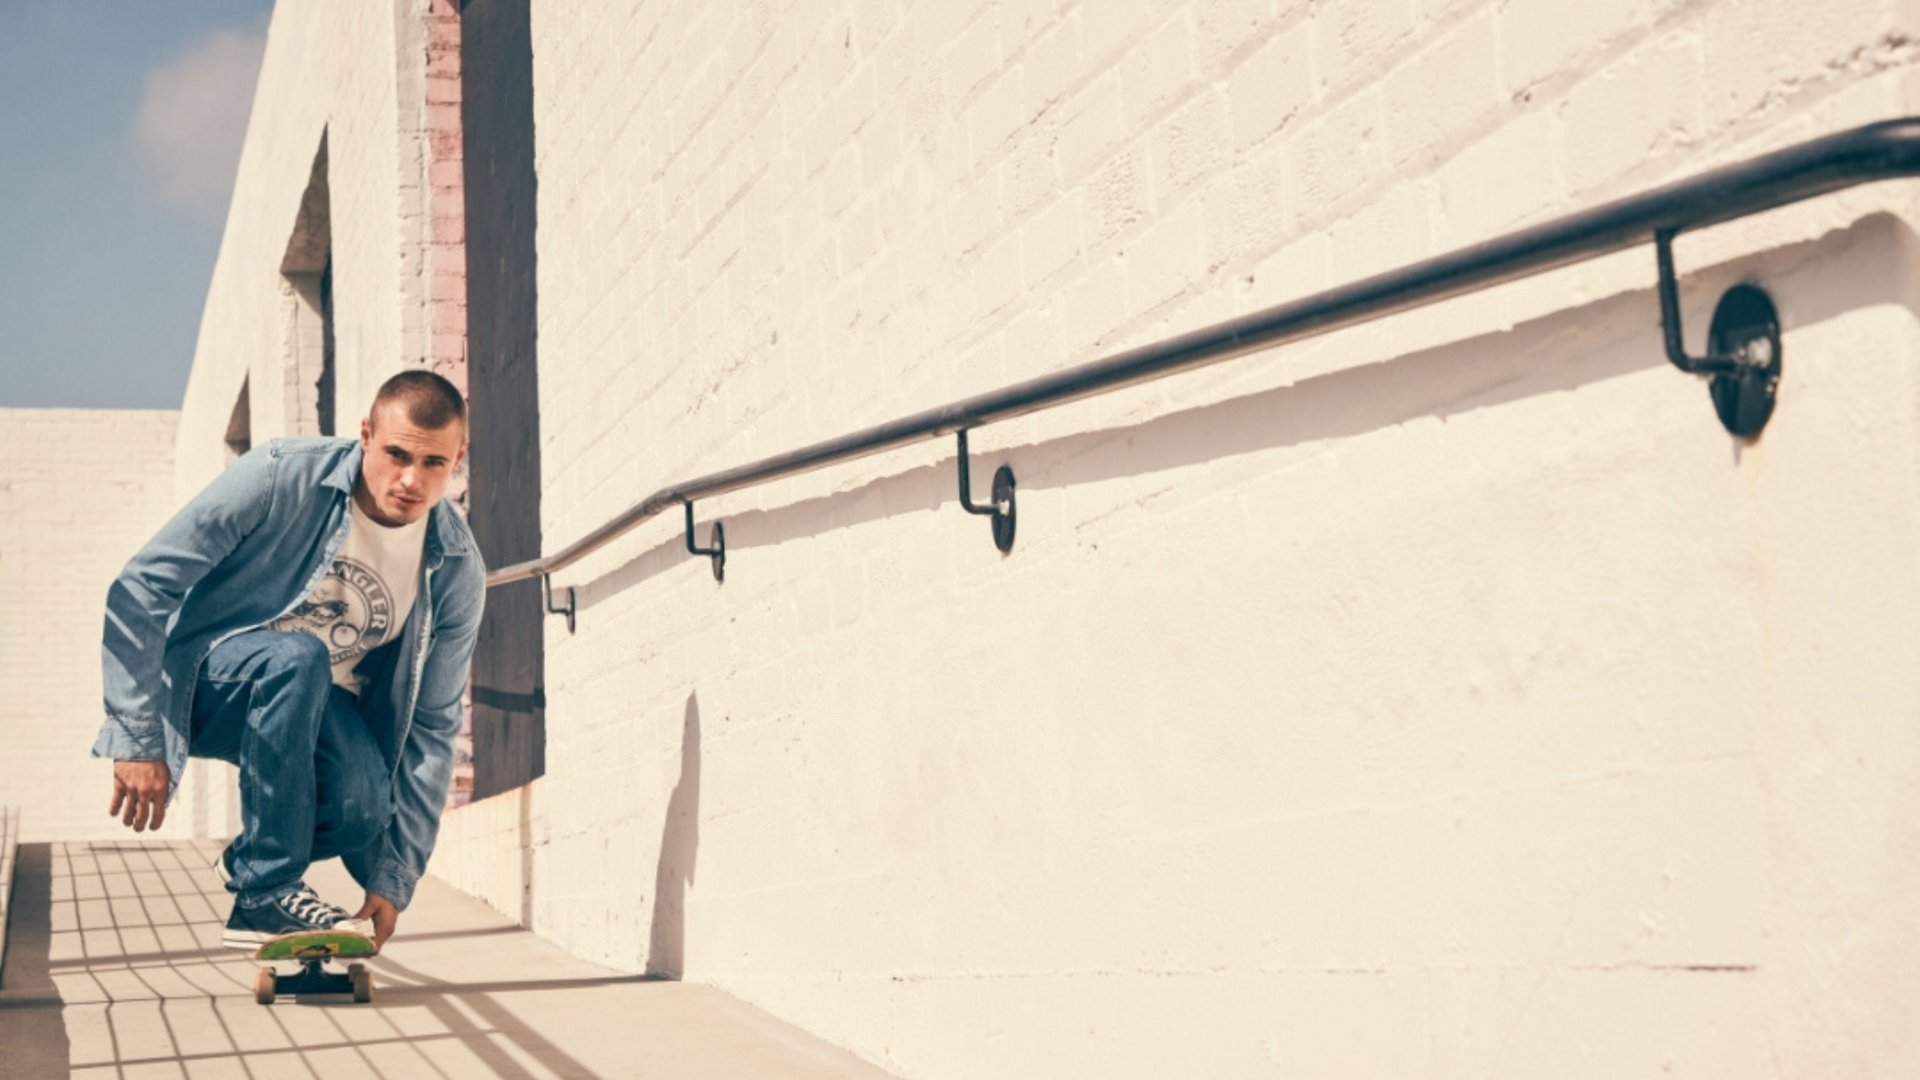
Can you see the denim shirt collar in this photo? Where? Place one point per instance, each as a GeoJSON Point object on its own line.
{"type": "Point", "coordinates": [443, 537]}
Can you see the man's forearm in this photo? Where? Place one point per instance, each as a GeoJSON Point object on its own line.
{"type": "Point", "coordinates": [152, 586]}
{"type": "Point", "coordinates": [419, 798]}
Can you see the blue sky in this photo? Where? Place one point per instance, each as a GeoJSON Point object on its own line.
{"type": "Point", "coordinates": [120, 127]}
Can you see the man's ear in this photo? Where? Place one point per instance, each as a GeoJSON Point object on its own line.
{"type": "Point", "coordinates": [366, 432]}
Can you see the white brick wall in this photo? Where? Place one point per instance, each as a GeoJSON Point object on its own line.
{"type": "Point", "coordinates": [1446, 696]}
{"type": "Point", "coordinates": [80, 491]}
{"type": "Point", "coordinates": [354, 73]}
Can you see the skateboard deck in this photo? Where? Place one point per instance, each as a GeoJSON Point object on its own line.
{"type": "Point", "coordinates": [312, 951]}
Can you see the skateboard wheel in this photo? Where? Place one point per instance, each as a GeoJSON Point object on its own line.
{"type": "Point", "coordinates": [362, 982]}
{"type": "Point", "coordinates": [263, 986]}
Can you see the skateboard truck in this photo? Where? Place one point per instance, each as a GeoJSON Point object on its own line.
{"type": "Point", "coordinates": [314, 978]}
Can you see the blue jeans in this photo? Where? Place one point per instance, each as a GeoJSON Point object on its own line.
{"type": "Point", "coordinates": [313, 782]}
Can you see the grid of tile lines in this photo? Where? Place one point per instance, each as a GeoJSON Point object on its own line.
{"type": "Point", "coordinates": [135, 953]}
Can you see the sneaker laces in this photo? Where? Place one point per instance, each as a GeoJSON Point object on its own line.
{"type": "Point", "coordinates": [305, 905]}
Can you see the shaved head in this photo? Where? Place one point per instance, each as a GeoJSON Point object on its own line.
{"type": "Point", "coordinates": [425, 399]}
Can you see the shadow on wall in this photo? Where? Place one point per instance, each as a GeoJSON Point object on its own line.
{"type": "Point", "coordinates": [1557, 353]}
{"type": "Point", "coordinates": [526, 855]}
{"type": "Point", "coordinates": [679, 848]}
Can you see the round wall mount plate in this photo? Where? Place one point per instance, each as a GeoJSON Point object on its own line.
{"type": "Point", "coordinates": [1746, 327]}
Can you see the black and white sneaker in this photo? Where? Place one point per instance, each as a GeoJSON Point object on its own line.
{"type": "Point", "coordinates": [223, 863]}
{"type": "Point", "coordinates": [298, 912]}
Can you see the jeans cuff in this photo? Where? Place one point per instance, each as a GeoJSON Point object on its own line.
{"type": "Point", "coordinates": [253, 901]}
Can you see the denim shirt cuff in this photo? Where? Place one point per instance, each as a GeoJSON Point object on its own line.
{"type": "Point", "coordinates": [393, 881]}
{"type": "Point", "coordinates": [123, 739]}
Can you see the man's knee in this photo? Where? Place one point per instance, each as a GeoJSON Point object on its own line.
{"type": "Point", "coordinates": [361, 827]}
{"type": "Point", "coordinates": [299, 659]}
{"type": "Point", "coordinates": [298, 651]}
{"type": "Point", "coordinates": [359, 809]}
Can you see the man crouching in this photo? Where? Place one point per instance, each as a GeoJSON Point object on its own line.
{"type": "Point", "coordinates": [309, 617]}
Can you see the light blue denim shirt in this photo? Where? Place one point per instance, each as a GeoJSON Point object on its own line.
{"type": "Point", "coordinates": [242, 553]}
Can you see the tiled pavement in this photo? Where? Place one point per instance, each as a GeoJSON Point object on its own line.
{"type": "Point", "coordinates": [114, 968]}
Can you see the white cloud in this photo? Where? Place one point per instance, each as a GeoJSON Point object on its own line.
{"type": "Point", "coordinates": [193, 119]}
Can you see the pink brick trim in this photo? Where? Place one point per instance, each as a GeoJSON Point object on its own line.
{"type": "Point", "coordinates": [446, 199]}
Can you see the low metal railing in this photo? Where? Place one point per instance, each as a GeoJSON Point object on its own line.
{"type": "Point", "coordinates": [1742, 360]}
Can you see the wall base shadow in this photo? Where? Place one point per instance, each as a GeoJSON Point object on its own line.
{"type": "Point", "coordinates": [33, 1026]}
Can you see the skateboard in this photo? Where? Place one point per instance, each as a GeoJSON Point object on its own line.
{"type": "Point", "coordinates": [312, 950]}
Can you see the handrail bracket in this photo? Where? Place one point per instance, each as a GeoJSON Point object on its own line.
{"type": "Point", "coordinates": [1001, 509]}
{"type": "Point", "coordinates": [1743, 347]}
{"type": "Point", "coordinates": [718, 552]}
{"type": "Point", "coordinates": [546, 593]}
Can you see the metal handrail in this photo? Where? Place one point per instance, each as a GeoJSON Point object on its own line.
{"type": "Point", "coordinates": [1878, 151]}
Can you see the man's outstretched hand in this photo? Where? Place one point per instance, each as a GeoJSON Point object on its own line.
{"type": "Point", "coordinates": [384, 915]}
{"type": "Point", "coordinates": [140, 794]}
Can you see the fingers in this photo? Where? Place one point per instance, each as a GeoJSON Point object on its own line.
{"type": "Point", "coordinates": [144, 809]}
{"type": "Point", "coordinates": [140, 790]}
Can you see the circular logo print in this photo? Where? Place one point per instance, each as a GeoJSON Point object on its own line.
{"type": "Point", "coordinates": [350, 610]}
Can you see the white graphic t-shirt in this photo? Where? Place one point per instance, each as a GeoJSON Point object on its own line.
{"type": "Point", "coordinates": [363, 602]}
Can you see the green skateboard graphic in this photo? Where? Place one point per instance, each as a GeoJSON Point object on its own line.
{"type": "Point", "coordinates": [312, 950]}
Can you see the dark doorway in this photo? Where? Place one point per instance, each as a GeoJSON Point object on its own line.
{"type": "Point", "coordinates": [240, 423]}
{"type": "Point", "coordinates": [307, 267]}
{"type": "Point", "coordinates": [325, 382]}
{"type": "Point", "coordinates": [509, 662]}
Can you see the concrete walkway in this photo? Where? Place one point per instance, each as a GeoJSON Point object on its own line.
{"type": "Point", "coordinates": [114, 968]}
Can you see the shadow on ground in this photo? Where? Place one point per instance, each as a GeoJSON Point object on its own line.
{"type": "Point", "coordinates": [114, 968]}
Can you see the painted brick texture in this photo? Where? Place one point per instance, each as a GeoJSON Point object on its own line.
{"type": "Point", "coordinates": [363, 77]}
{"type": "Point", "coordinates": [1446, 696]}
{"type": "Point", "coordinates": [80, 491]}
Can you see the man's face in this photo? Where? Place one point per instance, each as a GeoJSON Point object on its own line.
{"type": "Point", "coordinates": [405, 468]}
